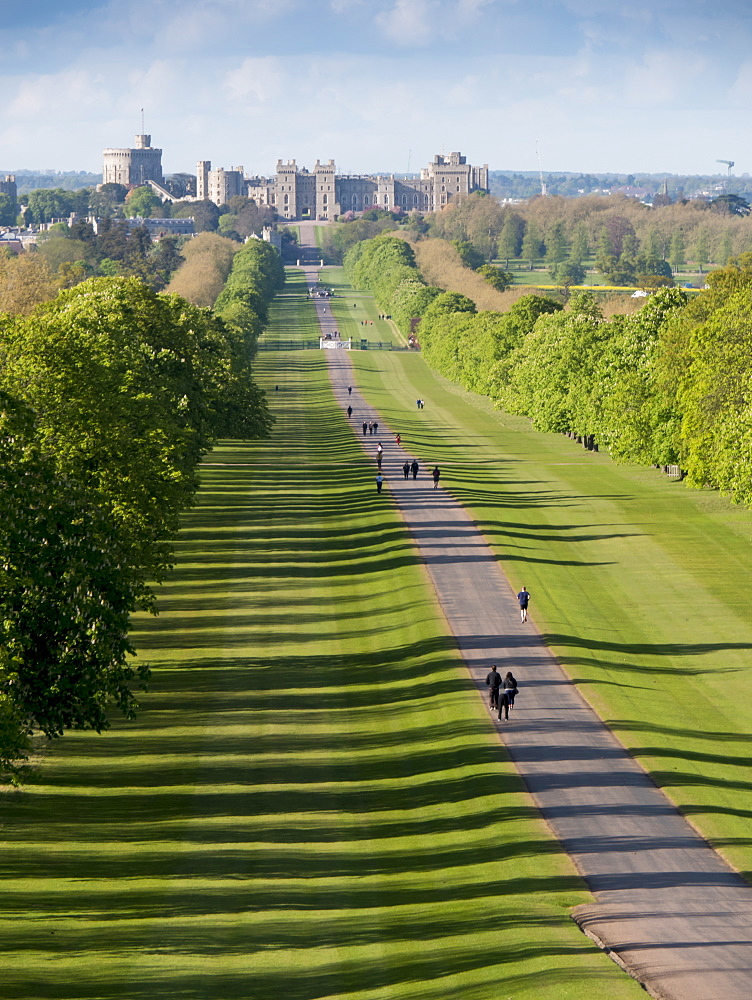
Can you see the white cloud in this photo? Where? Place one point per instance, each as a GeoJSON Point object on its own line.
{"type": "Point", "coordinates": [258, 80]}
{"type": "Point", "coordinates": [410, 22]}
{"type": "Point", "coordinates": [662, 78]}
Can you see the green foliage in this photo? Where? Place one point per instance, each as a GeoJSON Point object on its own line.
{"type": "Point", "coordinates": [342, 237]}
{"type": "Point", "coordinates": [551, 372]}
{"type": "Point", "coordinates": [142, 202]}
{"type": "Point", "coordinates": [568, 272]}
{"type": "Point", "coordinates": [498, 279]}
{"type": "Point", "coordinates": [8, 210]}
{"type": "Point", "coordinates": [109, 397]}
{"type": "Point", "coordinates": [531, 243]}
{"type": "Point", "coordinates": [64, 598]}
{"type": "Point", "coordinates": [256, 276]}
{"type": "Point", "coordinates": [386, 267]}
{"type": "Point", "coordinates": [469, 255]}
{"type": "Point", "coordinates": [510, 240]}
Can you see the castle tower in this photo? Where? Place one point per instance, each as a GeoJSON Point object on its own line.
{"type": "Point", "coordinates": [133, 167]}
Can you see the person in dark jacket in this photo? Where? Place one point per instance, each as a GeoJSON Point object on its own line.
{"type": "Point", "coordinates": [493, 680]}
{"type": "Point", "coordinates": [510, 687]}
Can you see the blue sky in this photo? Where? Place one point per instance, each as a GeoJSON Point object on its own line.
{"type": "Point", "coordinates": [599, 85]}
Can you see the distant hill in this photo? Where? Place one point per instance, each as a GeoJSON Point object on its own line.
{"type": "Point", "coordinates": [68, 180]}
{"type": "Point", "coordinates": [523, 184]}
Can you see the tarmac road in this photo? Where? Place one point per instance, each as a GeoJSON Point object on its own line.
{"type": "Point", "coordinates": [667, 907]}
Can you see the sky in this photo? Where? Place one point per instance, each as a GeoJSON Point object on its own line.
{"type": "Point", "coordinates": [379, 85]}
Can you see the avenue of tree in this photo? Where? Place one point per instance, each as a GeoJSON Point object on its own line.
{"type": "Point", "coordinates": [110, 394]}
{"type": "Point", "coordinates": [667, 385]}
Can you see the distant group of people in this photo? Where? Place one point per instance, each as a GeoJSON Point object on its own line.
{"type": "Point", "coordinates": [420, 403]}
{"type": "Point", "coordinates": [502, 690]}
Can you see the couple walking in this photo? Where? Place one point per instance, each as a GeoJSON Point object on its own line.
{"type": "Point", "coordinates": [502, 691]}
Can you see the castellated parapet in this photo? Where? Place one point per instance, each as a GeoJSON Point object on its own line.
{"type": "Point", "coordinates": [298, 193]}
{"type": "Point", "coordinates": [133, 167]}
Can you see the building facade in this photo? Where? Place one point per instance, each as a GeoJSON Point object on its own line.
{"type": "Point", "coordinates": [133, 167]}
{"type": "Point", "coordinates": [297, 193]}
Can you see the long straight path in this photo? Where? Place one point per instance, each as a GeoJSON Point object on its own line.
{"type": "Point", "coordinates": [667, 907]}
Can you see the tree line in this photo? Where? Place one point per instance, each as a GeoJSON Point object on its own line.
{"type": "Point", "coordinates": [110, 394]}
{"type": "Point", "coordinates": [667, 385]}
{"type": "Point", "coordinates": [628, 242]}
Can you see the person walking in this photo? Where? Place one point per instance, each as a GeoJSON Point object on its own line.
{"type": "Point", "coordinates": [509, 685]}
{"type": "Point", "coordinates": [370, 427]}
{"type": "Point", "coordinates": [503, 706]}
{"type": "Point", "coordinates": [399, 439]}
{"type": "Point", "coordinates": [523, 599]}
{"type": "Point", "coordinates": [379, 454]}
{"type": "Point", "coordinates": [493, 680]}
{"type": "Point", "coordinates": [436, 476]}
{"type": "Point", "coordinates": [349, 390]}
{"type": "Point", "coordinates": [375, 427]}
{"type": "Point", "coordinates": [406, 470]}
{"type": "Point", "coordinates": [379, 482]}
{"type": "Point", "coordinates": [349, 411]}
{"type": "Point", "coordinates": [365, 428]}
{"type": "Point", "coordinates": [414, 469]}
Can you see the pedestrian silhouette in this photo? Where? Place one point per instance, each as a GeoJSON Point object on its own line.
{"type": "Point", "coordinates": [436, 476]}
{"type": "Point", "coordinates": [414, 469]}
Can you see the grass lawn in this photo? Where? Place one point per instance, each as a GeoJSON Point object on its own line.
{"type": "Point", "coordinates": [313, 803]}
{"type": "Point", "coordinates": [641, 586]}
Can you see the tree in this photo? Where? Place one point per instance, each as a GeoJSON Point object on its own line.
{"type": "Point", "coordinates": [130, 389]}
{"type": "Point", "coordinates": [208, 261]}
{"type": "Point", "coordinates": [469, 256]}
{"type": "Point", "coordinates": [531, 243]}
{"type": "Point", "coordinates": [64, 603]}
{"type": "Point", "coordinates": [498, 279]}
{"type": "Point", "coordinates": [509, 243]}
{"type": "Point", "coordinates": [47, 204]}
{"type": "Point", "coordinates": [556, 243]}
{"type": "Point", "coordinates": [141, 202]}
{"type": "Point", "coordinates": [677, 256]}
{"type": "Point", "coordinates": [701, 251]}
{"type": "Point", "coordinates": [59, 249]}
{"type": "Point", "coordinates": [580, 248]}
{"type": "Point", "coordinates": [567, 273]}
{"type": "Point", "coordinates": [730, 204]}
{"type": "Point", "coordinates": [25, 281]}
{"type": "Point", "coordinates": [204, 213]}
{"type": "Point", "coordinates": [8, 210]}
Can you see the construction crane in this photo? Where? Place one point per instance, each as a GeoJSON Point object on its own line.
{"type": "Point", "coordinates": [729, 164]}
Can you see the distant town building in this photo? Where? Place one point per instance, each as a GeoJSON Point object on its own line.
{"type": "Point", "coordinates": [133, 167]}
{"type": "Point", "coordinates": [8, 186]}
{"type": "Point", "coordinates": [298, 193]}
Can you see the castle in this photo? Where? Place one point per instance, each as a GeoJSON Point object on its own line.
{"type": "Point", "coordinates": [296, 193]}
{"type": "Point", "coordinates": [133, 167]}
